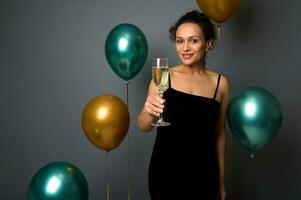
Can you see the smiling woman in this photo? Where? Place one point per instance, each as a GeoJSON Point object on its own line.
{"type": "Point", "coordinates": [192, 149]}
{"type": "Point", "coordinates": [190, 44]}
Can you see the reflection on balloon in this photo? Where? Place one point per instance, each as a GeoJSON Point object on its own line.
{"type": "Point", "coordinates": [254, 117]}
{"type": "Point", "coordinates": [105, 121]}
{"type": "Point", "coordinates": [126, 50]}
{"type": "Point", "coordinates": [218, 10]}
{"type": "Point", "coordinates": [57, 181]}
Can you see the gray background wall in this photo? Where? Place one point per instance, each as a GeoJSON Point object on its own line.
{"type": "Point", "coordinates": [52, 63]}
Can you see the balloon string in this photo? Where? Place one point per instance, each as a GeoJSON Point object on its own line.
{"type": "Point", "coordinates": [218, 31]}
{"type": "Point", "coordinates": [127, 93]}
{"type": "Point", "coordinates": [129, 170]}
{"type": "Point", "coordinates": [107, 178]}
{"type": "Point", "coordinates": [254, 184]}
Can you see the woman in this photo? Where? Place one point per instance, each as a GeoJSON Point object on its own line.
{"type": "Point", "coordinates": [188, 158]}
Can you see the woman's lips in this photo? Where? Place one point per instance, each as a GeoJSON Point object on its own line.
{"type": "Point", "coordinates": [186, 55]}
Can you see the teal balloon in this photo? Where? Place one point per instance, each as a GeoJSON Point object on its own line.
{"type": "Point", "coordinates": [126, 50]}
{"type": "Point", "coordinates": [58, 181]}
{"type": "Point", "coordinates": [254, 117]}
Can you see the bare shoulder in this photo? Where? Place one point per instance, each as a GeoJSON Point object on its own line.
{"type": "Point", "coordinates": [175, 69]}
{"type": "Point", "coordinates": [224, 84]}
{"type": "Point", "coordinates": [224, 88]}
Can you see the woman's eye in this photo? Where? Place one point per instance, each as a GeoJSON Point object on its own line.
{"type": "Point", "coordinates": [179, 41]}
{"type": "Point", "coordinates": [194, 41]}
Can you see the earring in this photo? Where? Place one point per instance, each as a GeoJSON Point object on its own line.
{"type": "Point", "coordinates": [209, 54]}
{"type": "Point", "coordinates": [208, 46]}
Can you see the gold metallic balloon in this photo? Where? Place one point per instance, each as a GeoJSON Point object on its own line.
{"type": "Point", "coordinates": [105, 121]}
{"type": "Point", "coordinates": [218, 10]}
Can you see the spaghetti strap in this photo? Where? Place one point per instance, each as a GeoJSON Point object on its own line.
{"type": "Point", "coordinates": [218, 80]}
{"type": "Point", "coordinates": [169, 82]}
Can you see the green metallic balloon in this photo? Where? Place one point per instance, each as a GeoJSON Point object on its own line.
{"type": "Point", "coordinates": [126, 50]}
{"type": "Point", "coordinates": [254, 117]}
{"type": "Point", "coordinates": [58, 181]}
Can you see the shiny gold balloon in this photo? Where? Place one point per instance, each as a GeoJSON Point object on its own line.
{"type": "Point", "coordinates": [218, 10]}
{"type": "Point", "coordinates": [105, 121]}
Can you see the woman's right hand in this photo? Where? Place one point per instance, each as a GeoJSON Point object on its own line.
{"type": "Point", "coordinates": [154, 105]}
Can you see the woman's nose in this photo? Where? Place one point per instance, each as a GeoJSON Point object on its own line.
{"type": "Point", "coordinates": [186, 46]}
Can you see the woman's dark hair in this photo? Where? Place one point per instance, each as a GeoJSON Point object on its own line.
{"type": "Point", "coordinates": [198, 18]}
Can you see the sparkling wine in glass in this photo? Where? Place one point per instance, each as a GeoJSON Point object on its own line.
{"type": "Point", "coordinates": [160, 74]}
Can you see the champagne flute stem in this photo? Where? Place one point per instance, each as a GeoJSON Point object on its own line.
{"type": "Point", "coordinates": [161, 116]}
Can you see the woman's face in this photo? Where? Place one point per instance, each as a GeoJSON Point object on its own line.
{"type": "Point", "coordinates": [190, 43]}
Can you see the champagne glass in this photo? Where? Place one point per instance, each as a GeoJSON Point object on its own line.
{"type": "Point", "coordinates": [160, 74]}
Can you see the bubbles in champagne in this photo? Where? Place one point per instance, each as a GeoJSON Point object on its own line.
{"type": "Point", "coordinates": [160, 78]}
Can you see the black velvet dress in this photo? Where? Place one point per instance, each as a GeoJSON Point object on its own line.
{"type": "Point", "coordinates": [184, 162]}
